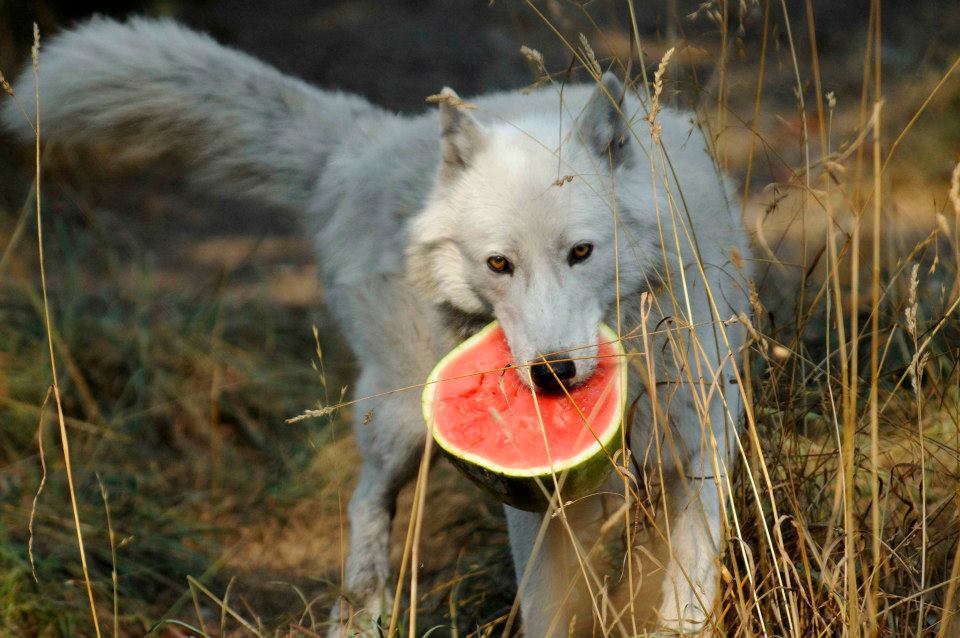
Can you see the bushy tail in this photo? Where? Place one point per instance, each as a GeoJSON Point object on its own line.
{"type": "Point", "coordinates": [150, 87]}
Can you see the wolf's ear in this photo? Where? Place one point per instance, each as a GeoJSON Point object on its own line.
{"type": "Point", "coordinates": [460, 134]}
{"type": "Point", "coordinates": [603, 125]}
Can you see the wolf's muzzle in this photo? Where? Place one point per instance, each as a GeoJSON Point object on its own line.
{"type": "Point", "coordinates": [552, 372]}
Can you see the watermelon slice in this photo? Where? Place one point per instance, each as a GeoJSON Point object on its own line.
{"type": "Point", "coordinates": [511, 441]}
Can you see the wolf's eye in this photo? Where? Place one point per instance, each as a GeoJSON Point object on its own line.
{"type": "Point", "coordinates": [500, 265]}
{"type": "Point", "coordinates": [579, 253]}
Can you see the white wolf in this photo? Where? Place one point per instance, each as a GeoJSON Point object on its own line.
{"type": "Point", "coordinates": [549, 210]}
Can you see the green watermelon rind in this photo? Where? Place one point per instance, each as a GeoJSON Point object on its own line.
{"type": "Point", "coordinates": [524, 488]}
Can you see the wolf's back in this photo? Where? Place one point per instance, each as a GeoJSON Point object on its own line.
{"type": "Point", "coordinates": [146, 88]}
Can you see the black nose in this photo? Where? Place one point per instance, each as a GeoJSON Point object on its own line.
{"type": "Point", "coordinates": [550, 374]}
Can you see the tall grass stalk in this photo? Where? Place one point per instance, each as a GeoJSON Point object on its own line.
{"type": "Point", "coordinates": [64, 438]}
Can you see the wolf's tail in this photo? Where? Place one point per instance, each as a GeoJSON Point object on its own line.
{"type": "Point", "coordinates": [145, 88]}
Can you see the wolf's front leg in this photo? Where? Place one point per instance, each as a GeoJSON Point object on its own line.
{"type": "Point", "coordinates": [693, 504]}
{"type": "Point", "coordinates": [696, 467]}
{"type": "Point", "coordinates": [391, 444]}
{"type": "Point", "coordinates": [551, 586]}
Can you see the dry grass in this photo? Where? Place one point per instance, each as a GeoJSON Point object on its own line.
{"type": "Point", "coordinates": [177, 372]}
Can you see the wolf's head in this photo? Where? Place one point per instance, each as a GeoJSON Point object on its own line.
{"type": "Point", "coordinates": [521, 227]}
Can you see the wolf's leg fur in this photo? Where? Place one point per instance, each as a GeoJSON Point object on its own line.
{"type": "Point", "coordinates": [391, 442]}
{"type": "Point", "coordinates": [692, 574]}
{"type": "Point", "coordinates": [554, 591]}
{"type": "Point", "coordinates": [694, 504]}
{"type": "Point", "coordinates": [691, 453]}
{"type": "Point", "coordinates": [397, 347]}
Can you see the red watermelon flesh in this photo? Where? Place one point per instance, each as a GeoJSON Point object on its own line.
{"type": "Point", "coordinates": [484, 413]}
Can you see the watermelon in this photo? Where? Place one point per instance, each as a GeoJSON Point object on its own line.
{"type": "Point", "coordinates": [488, 422]}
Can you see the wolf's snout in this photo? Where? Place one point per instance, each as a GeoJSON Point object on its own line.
{"type": "Point", "coordinates": [550, 374]}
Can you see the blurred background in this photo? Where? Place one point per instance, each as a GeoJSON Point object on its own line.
{"type": "Point", "coordinates": [184, 327]}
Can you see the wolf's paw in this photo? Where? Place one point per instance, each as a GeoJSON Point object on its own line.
{"type": "Point", "coordinates": [358, 625]}
{"type": "Point", "coordinates": [692, 624]}
{"type": "Point", "coordinates": [682, 613]}
{"type": "Point", "coordinates": [347, 621]}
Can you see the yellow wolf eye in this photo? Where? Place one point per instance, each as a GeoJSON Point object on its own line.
{"type": "Point", "coordinates": [580, 252]}
{"type": "Point", "coordinates": [499, 264]}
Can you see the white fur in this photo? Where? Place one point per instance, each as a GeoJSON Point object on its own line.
{"type": "Point", "coordinates": [405, 219]}
{"type": "Point", "coordinates": [151, 87]}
